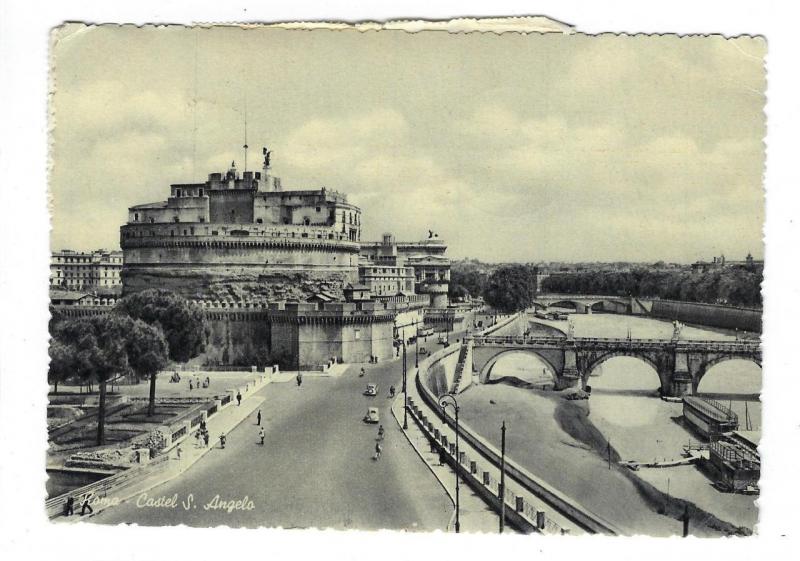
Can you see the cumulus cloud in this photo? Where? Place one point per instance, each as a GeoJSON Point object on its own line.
{"type": "Point", "coordinates": [513, 148]}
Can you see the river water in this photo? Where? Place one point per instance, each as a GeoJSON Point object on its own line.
{"type": "Point", "coordinates": [627, 412]}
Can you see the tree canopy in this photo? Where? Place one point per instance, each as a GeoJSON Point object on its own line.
{"type": "Point", "coordinates": [511, 288]}
{"type": "Point", "coordinates": [96, 349]}
{"type": "Point", "coordinates": [737, 286]}
{"type": "Point", "coordinates": [183, 324]}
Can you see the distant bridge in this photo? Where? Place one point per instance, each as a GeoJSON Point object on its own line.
{"type": "Point", "coordinates": [680, 364]}
{"type": "Point", "coordinates": [585, 304]}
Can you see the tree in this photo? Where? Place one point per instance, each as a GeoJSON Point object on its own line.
{"type": "Point", "coordinates": [511, 288]}
{"type": "Point", "coordinates": [97, 348]}
{"type": "Point", "coordinates": [62, 363]}
{"type": "Point", "coordinates": [183, 325]}
{"type": "Point", "coordinates": [148, 354]}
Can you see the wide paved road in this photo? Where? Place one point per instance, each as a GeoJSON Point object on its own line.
{"type": "Point", "coordinates": [316, 469]}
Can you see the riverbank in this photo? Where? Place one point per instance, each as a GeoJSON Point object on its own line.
{"type": "Point", "coordinates": [547, 433]}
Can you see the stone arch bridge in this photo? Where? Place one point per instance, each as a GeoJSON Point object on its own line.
{"type": "Point", "coordinates": [584, 304]}
{"type": "Point", "coordinates": [680, 364]}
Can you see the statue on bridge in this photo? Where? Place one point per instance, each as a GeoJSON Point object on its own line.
{"type": "Point", "coordinates": [570, 329]}
{"type": "Point", "coordinates": [677, 327]}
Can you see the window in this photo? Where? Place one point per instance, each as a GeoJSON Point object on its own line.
{"type": "Point", "coordinates": [136, 217]}
{"type": "Point", "coordinates": [176, 219]}
{"type": "Point", "coordinates": [318, 209]}
{"type": "Point", "coordinates": [259, 221]}
{"type": "Point", "coordinates": [201, 192]}
{"type": "Point", "coordinates": [201, 218]}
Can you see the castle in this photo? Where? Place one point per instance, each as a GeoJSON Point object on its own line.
{"type": "Point", "coordinates": [289, 264]}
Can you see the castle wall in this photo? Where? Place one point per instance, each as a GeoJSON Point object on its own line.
{"type": "Point", "coordinates": [231, 206]}
{"type": "Point", "coordinates": [242, 339]}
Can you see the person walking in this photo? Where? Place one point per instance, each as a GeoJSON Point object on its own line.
{"type": "Point", "coordinates": [69, 506]}
{"type": "Point", "coordinates": [205, 438]}
{"type": "Point", "coordinates": [299, 379]}
{"type": "Point", "coordinates": [258, 418]}
{"type": "Point", "coordinates": [239, 398]}
{"type": "Point", "coordinates": [191, 387]}
{"type": "Point", "coordinates": [85, 504]}
{"type": "Point", "coordinates": [378, 450]}
{"type": "Point", "coordinates": [361, 374]}
{"type": "Point", "coordinates": [222, 439]}
{"type": "Point", "coordinates": [380, 432]}
{"type": "Point", "coordinates": [261, 435]}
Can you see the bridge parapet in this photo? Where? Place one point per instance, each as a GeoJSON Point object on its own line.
{"type": "Point", "coordinates": [680, 364]}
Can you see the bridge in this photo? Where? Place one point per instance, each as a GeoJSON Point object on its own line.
{"type": "Point", "coordinates": [680, 364]}
{"type": "Point", "coordinates": [585, 304]}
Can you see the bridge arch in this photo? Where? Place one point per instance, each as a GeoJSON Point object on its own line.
{"type": "Point", "coordinates": [592, 364]}
{"type": "Point", "coordinates": [486, 372]}
{"type": "Point", "coordinates": [708, 365]}
{"type": "Point", "coordinates": [572, 304]}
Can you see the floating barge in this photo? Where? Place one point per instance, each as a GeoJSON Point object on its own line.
{"type": "Point", "coordinates": [735, 461]}
{"type": "Point", "coordinates": [709, 417]}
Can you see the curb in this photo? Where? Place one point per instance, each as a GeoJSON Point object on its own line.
{"type": "Point", "coordinates": [451, 522]}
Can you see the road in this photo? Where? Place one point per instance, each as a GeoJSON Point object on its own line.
{"type": "Point", "coordinates": [316, 468]}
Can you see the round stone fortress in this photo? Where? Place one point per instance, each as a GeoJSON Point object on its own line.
{"type": "Point", "coordinates": [241, 236]}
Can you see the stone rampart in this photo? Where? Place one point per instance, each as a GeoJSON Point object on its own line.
{"type": "Point", "coordinates": [713, 315]}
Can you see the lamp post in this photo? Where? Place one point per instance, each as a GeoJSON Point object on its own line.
{"type": "Point", "coordinates": [444, 401]}
{"type": "Point", "coordinates": [405, 390]}
{"type": "Point", "coordinates": [502, 489]}
{"type": "Point", "coordinates": [416, 350]}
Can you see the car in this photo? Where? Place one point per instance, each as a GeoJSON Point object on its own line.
{"type": "Point", "coordinates": [423, 351]}
{"type": "Point", "coordinates": [372, 417]}
{"type": "Point", "coordinates": [372, 390]}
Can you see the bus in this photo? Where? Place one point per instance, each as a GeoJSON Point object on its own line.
{"type": "Point", "coordinates": [424, 331]}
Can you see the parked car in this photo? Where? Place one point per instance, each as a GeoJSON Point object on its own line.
{"type": "Point", "coordinates": [372, 416]}
{"type": "Point", "coordinates": [372, 390]}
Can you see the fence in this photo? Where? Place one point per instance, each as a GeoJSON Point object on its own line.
{"type": "Point", "coordinates": [520, 513]}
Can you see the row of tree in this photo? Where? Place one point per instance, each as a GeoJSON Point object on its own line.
{"type": "Point", "coordinates": [144, 333]}
{"type": "Point", "coordinates": [736, 286]}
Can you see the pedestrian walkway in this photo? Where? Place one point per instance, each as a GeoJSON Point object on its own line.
{"type": "Point", "coordinates": [474, 514]}
{"type": "Point", "coordinates": [223, 421]}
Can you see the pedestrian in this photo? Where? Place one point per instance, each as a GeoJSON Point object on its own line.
{"type": "Point", "coordinates": [361, 374]}
{"type": "Point", "coordinates": [239, 398]}
{"type": "Point", "coordinates": [258, 418]}
{"type": "Point", "coordinates": [191, 387]}
{"type": "Point", "coordinates": [208, 381]}
{"type": "Point", "coordinates": [261, 435]}
{"type": "Point", "coordinates": [69, 506]}
{"type": "Point", "coordinates": [202, 425]}
{"type": "Point", "coordinates": [198, 436]}
{"type": "Point", "coordinates": [222, 439]}
{"type": "Point", "coordinates": [380, 432]}
{"type": "Point", "coordinates": [378, 450]}
{"type": "Point", "coordinates": [179, 452]}
{"type": "Point", "coordinates": [299, 379]}
{"type": "Point", "coordinates": [85, 505]}
{"type": "Point", "coordinates": [205, 438]}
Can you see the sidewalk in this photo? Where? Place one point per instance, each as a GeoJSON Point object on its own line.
{"type": "Point", "coordinates": [475, 515]}
{"type": "Point", "coordinates": [225, 421]}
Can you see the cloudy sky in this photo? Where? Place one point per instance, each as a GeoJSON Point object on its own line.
{"type": "Point", "coordinates": [512, 147]}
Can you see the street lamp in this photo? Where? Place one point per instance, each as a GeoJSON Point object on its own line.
{"type": "Point", "coordinates": [405, 390]}
{"type": "Point", "coordinates": [416, 348]}
{"type": "Point", "coordinates": [444, 401]}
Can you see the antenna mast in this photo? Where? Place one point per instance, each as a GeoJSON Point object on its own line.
{"type": "Point", "coordinates": [245, 132]}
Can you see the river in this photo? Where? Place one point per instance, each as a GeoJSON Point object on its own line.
{"type": "Point", "coordinates": [547, 433]}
